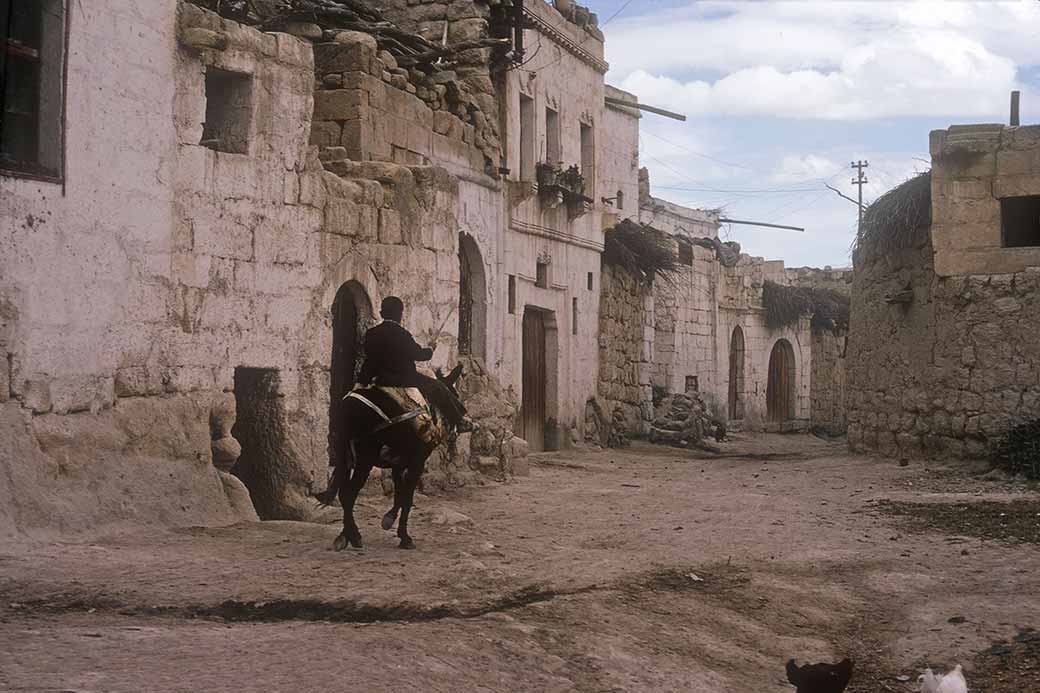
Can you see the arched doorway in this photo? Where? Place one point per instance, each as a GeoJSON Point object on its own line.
{"type": "Point", "coordinates": [736, 374]}
{"type": "Point", "coordinates": [780, 385]}
{"type": "Point", "coordinates": [472, 298]}
{"type": "Point", "coordinates": [351, 316]}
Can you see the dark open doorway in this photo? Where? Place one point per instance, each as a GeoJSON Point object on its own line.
{"type": "Point", "coordinates": [736, 375]}
{"type": "Point", "coordinates": [472, 298]}
{"type": "Point", "coordinates": [351, 316]}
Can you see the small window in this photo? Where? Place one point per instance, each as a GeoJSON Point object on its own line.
{"type": "Point", "coordinates": [588, 160]}
{"type": "Point", "coordinates": [691, 384]}
{"type": "Point", "coordinates": [574, 316]}
{"type": "Point", "coordinates": [527, 125]}
{"type": "Point", "coordinates": [541, 277]}
{"type": "Point", "coordinates": [1020, 221]}
{"type": "Point", "coordinates": [229, 111]}
{"type": "Point", "coordinates": [620, 200]}
{"type": "Point", "coordinates": [32, 100]}
{"type": "Point", "coordinates": [512, 294]}
{"type": "Point", "coordinates": [590, 281]}
{"type": "Point", "coordinates": [552, 137]}
{"type": "Point", "coordinates": [685, 253]}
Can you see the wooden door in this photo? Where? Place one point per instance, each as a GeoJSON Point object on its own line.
{"type": "Point", "coordinates": [779, 386]}
{"type": "Point", "coordinates": [532, 409]}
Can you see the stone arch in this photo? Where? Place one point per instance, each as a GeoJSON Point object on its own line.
{"type": "Point", "coordinates": [472, 298]}
{"type": "Point", "coordinates": [736, 374]}
{"type": "Point", "coordinates": [780, 385]}
{"type": "Point", "coordinates": [351, 316]}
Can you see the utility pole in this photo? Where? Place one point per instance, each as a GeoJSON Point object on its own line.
{"type": "Point", "coordinates": [860, 180]}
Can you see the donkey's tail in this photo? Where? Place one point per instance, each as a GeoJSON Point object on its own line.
{"type": "Point", "coordinates": [327, 497]}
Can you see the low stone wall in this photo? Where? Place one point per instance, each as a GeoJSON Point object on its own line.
{"type": "Point", "coordinates": [827, 411]}
{"type": "Point", "coordinates": [947, 373]}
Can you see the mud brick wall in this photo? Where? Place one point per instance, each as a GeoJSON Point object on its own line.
{"type": "Point", "coordinates": [625, 348]}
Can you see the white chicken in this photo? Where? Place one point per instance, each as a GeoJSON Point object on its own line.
{"type": "Point", "coordinates": [953, 682]}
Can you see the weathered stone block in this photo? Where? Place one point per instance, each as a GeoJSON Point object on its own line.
{"type": "Point", "coordinates": [351, 56]}
{"type": "Point", "coordinates": [325, 133]}
{"type": "Point", "coordinates": [222, 237]}
{"type": "Point", "coordinates": [340, 104]}
{"type": "Point", "coordinates": [389, 227]}
{"type": "Point", "coordinates": [341, 217]}
{"type": "Point", "coordinates": [138, 381]}
{"type": "Point", "coordinates": [368, 223]}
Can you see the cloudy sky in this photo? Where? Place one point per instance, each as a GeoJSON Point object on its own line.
{"type": "Point", "coordinates": [781, 96]}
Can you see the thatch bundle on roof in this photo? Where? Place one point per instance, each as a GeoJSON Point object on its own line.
{"type": "Point", "coordinates": [786, 305]}
{"type": "Point", "coordinates": [641, 250]}
{"type": "Point", "coordinates": [899, 219]}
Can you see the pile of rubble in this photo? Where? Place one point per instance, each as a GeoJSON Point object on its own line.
{"type": "Point", "coordinates": [684, 421]}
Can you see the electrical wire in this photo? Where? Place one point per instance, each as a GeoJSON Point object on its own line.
{"type": "Point", "coordinates": [620, 10]}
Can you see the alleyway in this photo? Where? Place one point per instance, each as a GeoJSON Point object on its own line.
{"type": "Point", "coordinates": [643, 569]}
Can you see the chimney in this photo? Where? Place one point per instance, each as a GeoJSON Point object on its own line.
{"type": "Point", "coordinates": [1014, 109]}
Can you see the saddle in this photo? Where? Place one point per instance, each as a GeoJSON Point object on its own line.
{"type": "Point", "coordinates": [417, 413]}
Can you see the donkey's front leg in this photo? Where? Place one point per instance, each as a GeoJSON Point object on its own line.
{"type": "Point", "coordinates": [348, 494]}
{"type": "Point", "coordinates": [391, 515]}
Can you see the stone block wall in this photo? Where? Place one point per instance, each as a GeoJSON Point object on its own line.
{"type": "Point", "coordinates": [130, 295]}
{"type": "Point", "coordinates": [380, 111]}
{"type": "Point", "coordinates": [827, 410]}
{"type": "Point", "coordinates": [625, 348]}
{"type": "Point", "coordinates": [948, 373]}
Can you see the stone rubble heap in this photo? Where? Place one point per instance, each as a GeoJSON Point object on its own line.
{"type": "Point", "coordinates": [684, 421]}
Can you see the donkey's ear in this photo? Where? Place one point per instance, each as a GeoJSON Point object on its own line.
{"type": "Point", "coordinates": [454, 375]}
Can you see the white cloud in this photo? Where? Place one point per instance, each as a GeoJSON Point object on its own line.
{"type": "Point", "coordinates": [836, 61]}
{"type": "Point", "coordinates": [796, 168]}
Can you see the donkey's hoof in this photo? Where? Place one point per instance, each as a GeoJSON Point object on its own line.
{"type": "Point", "coordinates": [388, 520]}
{"type": "Point", "coordinates": [406, 543]}
{"type": "Point", "coordinates": [340, 543]}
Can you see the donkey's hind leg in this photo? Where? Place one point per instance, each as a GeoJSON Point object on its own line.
{"type": "Point", "coordinates": [410, 476]}
{"type": "Point", "coordinates": [391, 515]}
{"type": "Point", "coordinates": [348, 494]}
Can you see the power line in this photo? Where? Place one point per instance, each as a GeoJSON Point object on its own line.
{"type": "Point", "coordinates": [703, 156]}
{"type": "Point", "coordinates": [620, 10]}
{"type": "Point", "coordinates": [746, 191]}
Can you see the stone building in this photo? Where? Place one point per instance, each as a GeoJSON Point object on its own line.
{"type": "Point", "coordinates": [943, 356]}
{"type": "Point", "coordinates": [704, 331]}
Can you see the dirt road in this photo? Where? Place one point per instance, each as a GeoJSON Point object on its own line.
{"type": "Point", "coordinates": [636, 570]}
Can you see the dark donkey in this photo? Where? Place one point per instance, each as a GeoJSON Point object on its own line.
{"type": "Point", "coordinates": [386, 428]}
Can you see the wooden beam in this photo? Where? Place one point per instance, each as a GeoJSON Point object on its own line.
{"type": "Point", "coordinates": [760, 223]}
{"type": "Point", "coordinates": [611, 101]}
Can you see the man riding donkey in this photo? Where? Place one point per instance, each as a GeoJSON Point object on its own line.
{"type": "Point", "coordinates": [395, 417]}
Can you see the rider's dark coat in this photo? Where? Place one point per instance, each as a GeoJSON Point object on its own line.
{"type": "Point", "coordinates": [390, 356]}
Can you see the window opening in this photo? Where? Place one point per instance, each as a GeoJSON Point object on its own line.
{"type": "Point", "coordinates": [620, 199]}
{"type": "Point", "coordinates": [574, 316]}
{"type": "Point", "coordinates": [552, 137]}
{"type": "Point", "coordinates": [692, 385]}
{"type": "Point", "coordinates": [541, 279]}
{"type": "Point", "coordinates": [527, 126]}
{"type": "Point", "coordinates": [590, 281]}
{"type": "Point", "coordinates": [588, 160]}
{"type": "Point", "coordinates": [228, 111]}
{"type": "Point", "coordinates": [32, 66]}
{"type": "Point", "coordinates": [1020, 221]}
{"type": "Point", "coordinates": [512, 294]}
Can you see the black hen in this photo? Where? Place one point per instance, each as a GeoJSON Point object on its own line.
{"type": "Point", "coordinates": [820, 678]}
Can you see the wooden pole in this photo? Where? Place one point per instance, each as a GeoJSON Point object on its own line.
{"type": "Point", "coordinates": [1014, 108]}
